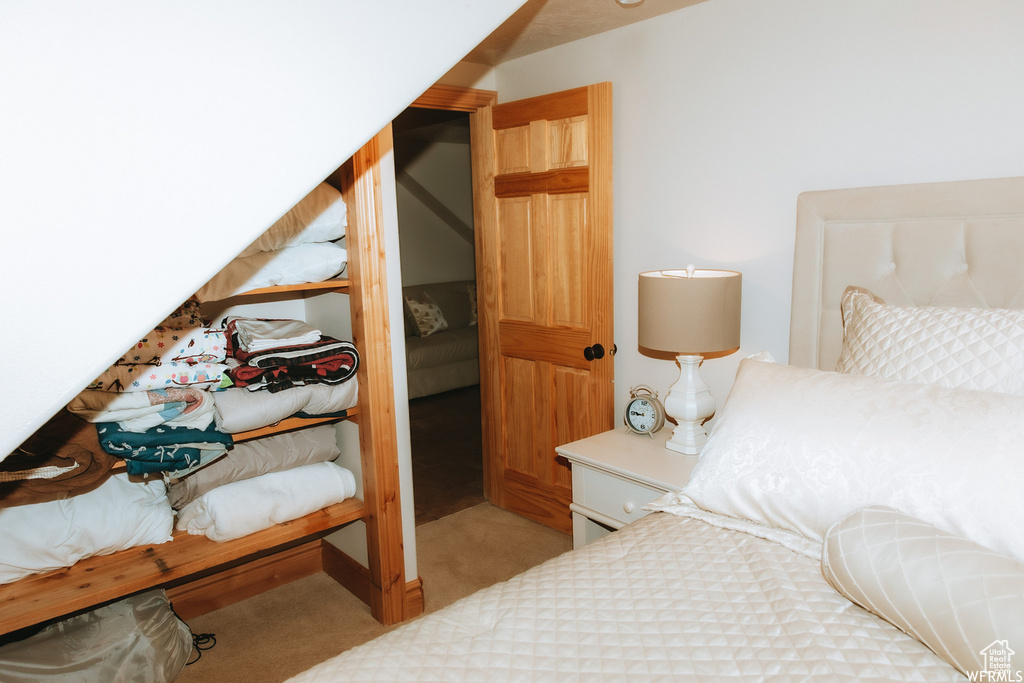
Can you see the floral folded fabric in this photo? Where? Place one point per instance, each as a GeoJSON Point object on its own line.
{"type": "Point", "coordinates": [169, 375]}
{"type": "Point", "coordinates": [170, 345]}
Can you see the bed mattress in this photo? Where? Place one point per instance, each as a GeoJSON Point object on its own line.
{"type": "Point", "coordinates": [665, 598]}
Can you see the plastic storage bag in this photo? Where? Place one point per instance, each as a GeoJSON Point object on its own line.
{"type": "Point", "coordinates": [138, 639]}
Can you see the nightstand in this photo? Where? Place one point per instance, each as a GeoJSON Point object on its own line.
{"type": "Point", "coordinates": [614, 474]}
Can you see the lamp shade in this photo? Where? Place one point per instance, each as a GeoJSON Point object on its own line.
{"type": "Point", "coordinates": [690, 311]}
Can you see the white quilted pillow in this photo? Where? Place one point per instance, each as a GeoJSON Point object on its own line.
{"type": "Point", "coordinates": [953, 595]}
{"type": "Point", "coordinates": [797, 448]}
{"type": "Point", "coordinates": [964, 348]}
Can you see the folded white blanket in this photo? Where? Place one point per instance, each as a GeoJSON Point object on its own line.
{"type": "Point", "coordinates": [119, 514]}
{"type": "Point", "coordinates": [244, 507]}
{"type": "Point", "coordinates": [259, 334]}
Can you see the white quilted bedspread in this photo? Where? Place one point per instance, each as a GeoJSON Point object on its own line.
{"type": "Point", "coordinates": [666, 598]}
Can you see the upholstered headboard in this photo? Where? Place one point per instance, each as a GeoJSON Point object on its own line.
{"type": "Point", "coordinates": [934, 244]}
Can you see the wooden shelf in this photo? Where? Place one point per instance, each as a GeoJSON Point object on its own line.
{"type": "Point", "coordinates": [99, 579]}
{"type": "Point", "coordinates": [310, 287]}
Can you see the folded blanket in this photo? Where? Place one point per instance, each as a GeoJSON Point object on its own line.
{"type": "Point", "coordinates": [260, 334]}
{"type": "Point", "coordinates": [244, 507]}
{"type": "Point", "coordinates": [120, 378]}
{"type": "Point", "coordinates": [137, 411]}
{"type": "Point", "coordinates": [62, 459]}
{"type": "Point", "coordinates": [239, 410]}
{"type": "Point", "coordinates": [177, 450]}
{"type": "Point", "coordinates": [335, 370]}
{"type": "Point", "coordinates": [186, 316]}
{"type": "Point", "coordinates": [327, 348]}
{"type": "Point", "coordinates": [173, 345]}
{"type": "Point", "coordinates": [117, 515]}
{"type": "Point", "coordinates": [253, 458]}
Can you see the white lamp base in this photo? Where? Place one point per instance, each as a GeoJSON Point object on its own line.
{"type": "Point", "coordinates": [690, 403]}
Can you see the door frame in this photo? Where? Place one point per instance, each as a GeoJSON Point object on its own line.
{"type": "Point", "coordinates": [471, 100]}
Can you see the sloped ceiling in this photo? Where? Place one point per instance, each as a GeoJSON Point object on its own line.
{"type": "Point", "coordinates": [541, 24]}
{"type": "Point", "coordinates": [145, 144]}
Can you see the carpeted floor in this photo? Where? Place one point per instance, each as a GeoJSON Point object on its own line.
{"type": "Point", "coordinates": [447, 453]}
{"type": "Point", "coordinates": [286, 630]}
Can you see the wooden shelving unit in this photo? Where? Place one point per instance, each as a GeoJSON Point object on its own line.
{"type": "Point", "coordinates": [99, 579]}
{"type": "Point", "coordinates": [201, 574]}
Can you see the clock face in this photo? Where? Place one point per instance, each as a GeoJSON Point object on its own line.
{"type": "Point", "coordinates": [641, 415]}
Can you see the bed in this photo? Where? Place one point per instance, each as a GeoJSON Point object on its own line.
{"type": "Point", "coordinates": [855, 525]}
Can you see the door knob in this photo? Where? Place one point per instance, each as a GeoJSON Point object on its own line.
{"type": "Point", "coordinates": [595, 352]}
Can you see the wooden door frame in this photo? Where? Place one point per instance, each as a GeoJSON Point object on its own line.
{"type": "Point", "coordinates": [471, 100]}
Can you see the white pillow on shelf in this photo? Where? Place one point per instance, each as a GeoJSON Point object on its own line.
{"type": "Point", "coordinates": [320, 216]}
{"type": "Point", "coordinates": [965, 348]}
{"type": "Point", "coordinates": [309, 262]}
{"type": "Point", "coordinates": [797, 448]}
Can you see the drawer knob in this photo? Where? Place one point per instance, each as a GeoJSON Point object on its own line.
{"type": "Point", "coordinates": [627, 508]}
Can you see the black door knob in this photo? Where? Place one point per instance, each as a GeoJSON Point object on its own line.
{"type": "Point", "coordinates": [594, 352]}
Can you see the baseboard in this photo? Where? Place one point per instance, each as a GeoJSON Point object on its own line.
{"type": "Point", "coordinates": [256, 576]}
{"type": "Point", "coordinates": [246, 580]}
{"type": "Point", "coordinates": [355, 578]}
{"type": "Point", "coordinates": [414, 603]}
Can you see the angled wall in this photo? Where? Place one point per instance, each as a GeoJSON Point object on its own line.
{"type": "Point", "coordinates": [144, 145]}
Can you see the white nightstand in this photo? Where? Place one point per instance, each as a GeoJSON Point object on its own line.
{"type": "Point", "coordinates": [614, 474]}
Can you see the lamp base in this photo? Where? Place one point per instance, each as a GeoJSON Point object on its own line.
{"type": "Point", "coordinates": [690, 404]}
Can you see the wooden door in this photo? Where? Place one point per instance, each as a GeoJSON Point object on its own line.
{"type": "Point", "coordinates": [542, 175]}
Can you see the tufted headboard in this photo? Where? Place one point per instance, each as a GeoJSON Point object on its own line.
{"type": "Point", "coordinates": [934, 244]}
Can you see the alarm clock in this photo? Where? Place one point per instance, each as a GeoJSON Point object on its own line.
{"type": "Point", "coordinates": [644, 412]}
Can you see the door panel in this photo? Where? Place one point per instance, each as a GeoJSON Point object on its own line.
{"type": "Point", "coordinates": [542, 186]}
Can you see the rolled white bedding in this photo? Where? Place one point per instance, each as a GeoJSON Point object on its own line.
{"type": "Point", "coordinates": [239, 410]}
{"type": "Point", "coordinates": [250, 459]}
{"type": "Point", "coordinates": [244, 507]}
{"type": "Point", "coordinates": [119, 514]}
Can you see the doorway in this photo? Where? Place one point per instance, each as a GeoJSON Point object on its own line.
{"type": "Point", "coordinates": [435, 218]}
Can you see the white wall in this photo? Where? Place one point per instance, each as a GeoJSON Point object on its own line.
{"type": "Point", "coordinates": [726, 110]}
{"type": "Point", "coordinates": [145, 144]}
{"type": "Point", "coordinates": [431, 250]}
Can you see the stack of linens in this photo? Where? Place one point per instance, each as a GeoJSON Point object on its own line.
{"type": "Point", "coordinates": [300, 247]}
{"type": "Point", "coordinates": [262, 483]}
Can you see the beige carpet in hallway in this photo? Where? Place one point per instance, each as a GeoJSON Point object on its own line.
{"type": "Point", "coordinates": [289, 629]}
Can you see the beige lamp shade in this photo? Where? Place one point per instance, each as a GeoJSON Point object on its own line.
{"type": "Point", "coordinates": [690, 311]}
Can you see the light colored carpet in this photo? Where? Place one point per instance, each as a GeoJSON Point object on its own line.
{"type": "Point", "coordinates": [287, 630]}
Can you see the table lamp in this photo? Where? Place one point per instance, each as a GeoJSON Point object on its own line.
{"type": "Point", "coordinates": [690, 313]}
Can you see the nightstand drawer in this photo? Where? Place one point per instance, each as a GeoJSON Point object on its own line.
{"type": "Point", "coordinates": [612, 496]}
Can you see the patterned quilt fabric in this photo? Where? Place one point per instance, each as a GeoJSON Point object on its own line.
{"type": "Point", "coordinates": [168, 375]}
{"type": "Point", "coordinates": [166, 345]}
{"type": "Point", "coordinates": [176, 450]}
{"type": "Point", "coordinates": [328, 361]}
